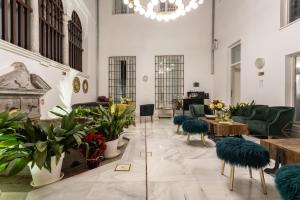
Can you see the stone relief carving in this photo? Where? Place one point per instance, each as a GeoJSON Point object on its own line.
{"type": "Point", "coordinates": [21, 90]}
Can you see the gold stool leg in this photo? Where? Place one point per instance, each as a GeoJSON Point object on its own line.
{"type": "Point", "coordinates": [223, 168]}
{"type": "Point", "coordinates": [263, 181]}
{"type": "Point", "coordinates": [178, 129]}
{"type": "Point", "coordinates": [231, 177]}
{"type": "Point", "coordinates": [203, 138]}
{"type": "Point", "coordinates": [188, 138]}
{"type": "Point", "coordinates": [250, 172]}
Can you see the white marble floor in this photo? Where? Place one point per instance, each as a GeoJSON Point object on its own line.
{"type": "Point", "coordinates": [176, 171]}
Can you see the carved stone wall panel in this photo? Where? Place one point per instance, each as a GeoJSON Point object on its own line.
{"type": "Point", "coordinates": [8, 103]}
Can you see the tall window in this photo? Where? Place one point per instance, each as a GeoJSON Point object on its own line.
{"type": "Point", "coordinates": [167, 7]}
{"type": "Point", "coordinates": [75, 42]}
{"type": "Point", "coordinates": [51, 29]}
{"type": "Point", "coordinates": [169, 80]}
{"type": "Point", "coordinates": [15, 22]}
{"type": "Point", "coordinates": [122, 78]}
{"type": "Point", "coordinates": [121, 8]}
{"type": "Point", "coordinates": [294, 10]}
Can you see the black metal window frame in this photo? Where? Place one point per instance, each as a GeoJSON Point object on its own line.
{"type": "Point", "coordinates": [75, 42]}
{"type": "Point", "coordinates": [294, 10]}
{"type": "Point", "coordinates": [168, 86]}
{"type": "Point", "coordinates": [51, 29]}
{"type": "Point", "coordinates": [15, 16]}
{"type": "Point", "coordinates": [123, 9]}
{"type": "Point", "coordinates": [167, 7]}
{"type": "Point", "coordinates": [122, 84]}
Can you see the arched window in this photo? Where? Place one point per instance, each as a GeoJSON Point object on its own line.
{"type": "Point", "coordinates": [51, 29]}
{"type": "Point", "coordinates": [75, 42]}
{"type": "Point", "coordinates": [15, 22]}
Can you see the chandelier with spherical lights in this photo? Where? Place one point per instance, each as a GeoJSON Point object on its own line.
{"type": "Point", "coordinates": [152, 9]}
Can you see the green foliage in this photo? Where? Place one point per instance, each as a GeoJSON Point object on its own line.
{"type": "Point", "coordinates": [235, 108]}
{"type": "Point", "coordinates": [10, 122]}
{"type": "Point", "coordinates": [37, 143]}
{"type": "Point", "coordinates": [111, 121]}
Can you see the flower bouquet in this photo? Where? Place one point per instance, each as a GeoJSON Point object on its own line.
{"type": "Point", "coordinates": [217, 106]}
{"type": "Point", "coordinates": [93, 149]}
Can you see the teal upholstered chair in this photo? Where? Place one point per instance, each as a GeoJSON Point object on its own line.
{"type": "Point", "coordinates": [269, 121]}
{"type": "Point", "coordinates": [288, 182]}
{"type": "Point", "coordinates": [179, 120]}
{"type": "Point", "coordinates": [243, 153]}
{"type": "Point", "coordinates": [197, 110]}
{"type": "Point", "coordinates": [192, 127]}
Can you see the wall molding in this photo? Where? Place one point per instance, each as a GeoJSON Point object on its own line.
{"type": "Point", "coordinates": [45, 62]}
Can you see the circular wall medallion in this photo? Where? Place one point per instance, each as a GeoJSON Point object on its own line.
{"type": "Point", "coordinates": [260, 63]}
{"type": "Point", "coordinates": [145, 78]}
{"type": "Point", "coordinates": [85, 86]}
{"type": "Point", "coordinates": [76, 84]}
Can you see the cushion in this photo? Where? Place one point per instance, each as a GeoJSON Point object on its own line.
{"type": "Point", "coordinates": [240, 119]}
{"type": "Point", "coordinates": [259, 127]}
{"type": "Point", "coordinates": [178, 120]}
{"type": "Point", "coordinates": [242, 153]}
{"type": "Point", "coordinates": [195, 126]}
{"type": "Point", "coordinates": [288, 182]}
{"type": "Point", "coordinates": [197, 110]}
{"type": "Point", "coordinates": [272, 114]}
{"type": "Point", "coordinates": [261, 113]}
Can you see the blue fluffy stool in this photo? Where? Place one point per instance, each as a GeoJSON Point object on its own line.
{"type": "Point", "coordinates": [243, 153]}
{"type": "Point", "coordinates": [288, 182]}
{"type": "Point", "coordinates": [179, 120]}
{"type": "Point", "coordinates": [195, 126]}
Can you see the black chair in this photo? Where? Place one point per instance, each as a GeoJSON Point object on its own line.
{"type": "Point", "coordinates": [146, 110]}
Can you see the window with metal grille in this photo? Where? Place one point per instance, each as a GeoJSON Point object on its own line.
{"type": "Point", "coordinates": [75, 42]}
{"type": "Point", "coordinates": [122, 78]}
{"type": "Point", "coordinates": [51, 29]}
{"type": "Point", "coordinates": [169, 80]}
{"type": "Point", "coordinates": [294, 10]}
{"type": "Point", "coordinates": [121, 8]}
{"type": "Point", "coordinates": [15, 22]}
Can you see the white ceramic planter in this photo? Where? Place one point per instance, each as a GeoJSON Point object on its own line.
{"type": "Point", "coordinates": [111, 149]}
{"type": "Point", "coordinates": [121, 140]}
{"type": "Point", "coordinates": [44, 177]}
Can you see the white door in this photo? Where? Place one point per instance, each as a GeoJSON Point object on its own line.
{"type": "Point", "coordinates": [235, 67]}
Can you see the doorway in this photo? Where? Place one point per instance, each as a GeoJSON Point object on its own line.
{"type": "Point", "coordinates": [296, 61]}
{"type": "Point", "coordinates": [235, 73]}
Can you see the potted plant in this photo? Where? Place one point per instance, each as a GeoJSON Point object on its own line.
{"type": "Point", "coordinates": [217, 106]}
{"type": "Point", "coordinates": [93, 148]}
{"type": "Point", "coordinates": [111, 121]}
{"type": "Point", "coordinates": [41, 146]}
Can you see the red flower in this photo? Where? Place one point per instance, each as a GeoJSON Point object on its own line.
{"type": "Point", "coordinates": [89, 137]}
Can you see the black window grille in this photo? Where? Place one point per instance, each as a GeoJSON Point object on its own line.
{"type": "Point", "coordinates": [121, 8]}
{"type": "Point", "coordinates": [75, 42]}
{"type": "Point", "coordinates": [167, 7]}
{"type": "Point", "coordinates": [294, 10]}
{"type": "Point", "coordinates": [169, 80]}
{"type": "Point", "coordinates": [15, 22]}
{"type": "Point", "coordinates": [122, 78]}
{"type": "Point", "coordinates": [51, 29]}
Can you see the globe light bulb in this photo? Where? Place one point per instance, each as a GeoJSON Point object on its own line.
{"type": "Point", "coordinates": [155, 2]}
{"type": "Point", "coordinates": [163, 1]}
{"type": "Point", "coordinates": [172, 1]}
{"type": "Point", "coordinates": [201, 2]}
{"type": "Point", "coordinates": [130, 5]}
{"type": "Point", "coordinates": [126, 2]}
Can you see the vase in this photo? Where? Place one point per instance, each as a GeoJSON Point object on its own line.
{"type": "Point", "coordinates": [219, 115]}
{"type": "Point", "coordinates": [41, 177]}
{"type": "Point", "coordinates": [93, 163]}
{"type": "Point", "coordinates": [112, 149]}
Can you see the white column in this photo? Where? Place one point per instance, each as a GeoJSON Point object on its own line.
{"type": "Point", "coordinates": [66, 40]}
{"type": "Point", "coordinates": [35, 43]}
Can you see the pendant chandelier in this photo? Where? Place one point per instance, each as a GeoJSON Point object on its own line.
{"type": "Point", "coordinates": [163, 10]}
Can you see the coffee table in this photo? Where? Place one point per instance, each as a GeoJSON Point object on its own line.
{"type": "Point", "coordinates": [218, 129]}
{"type": "Point", "coordinates": [283, 151]}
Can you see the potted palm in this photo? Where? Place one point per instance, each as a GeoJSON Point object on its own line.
{"type": "Point", "coordinates": [41, 146]}
{"type": "Point", "coordinates": [111, 121]}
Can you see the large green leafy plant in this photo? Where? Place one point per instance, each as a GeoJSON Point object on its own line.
{"type": "Point", "coordinates": [37, 143]}
{"type": "Point", "coordinates": [112, 120]}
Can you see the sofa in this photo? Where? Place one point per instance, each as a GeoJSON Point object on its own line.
{"type": "Point", "coordinates": [269, 121]}
{"type": "Point", "coordinates": [243, 114]}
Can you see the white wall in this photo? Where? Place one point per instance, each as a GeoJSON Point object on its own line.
{"type": "Point", "coordinates": [134, 35]}
{"type": "Point", "coordinates": [257, 24]}
{"type": "Point", "coordinates": [51, 71]}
